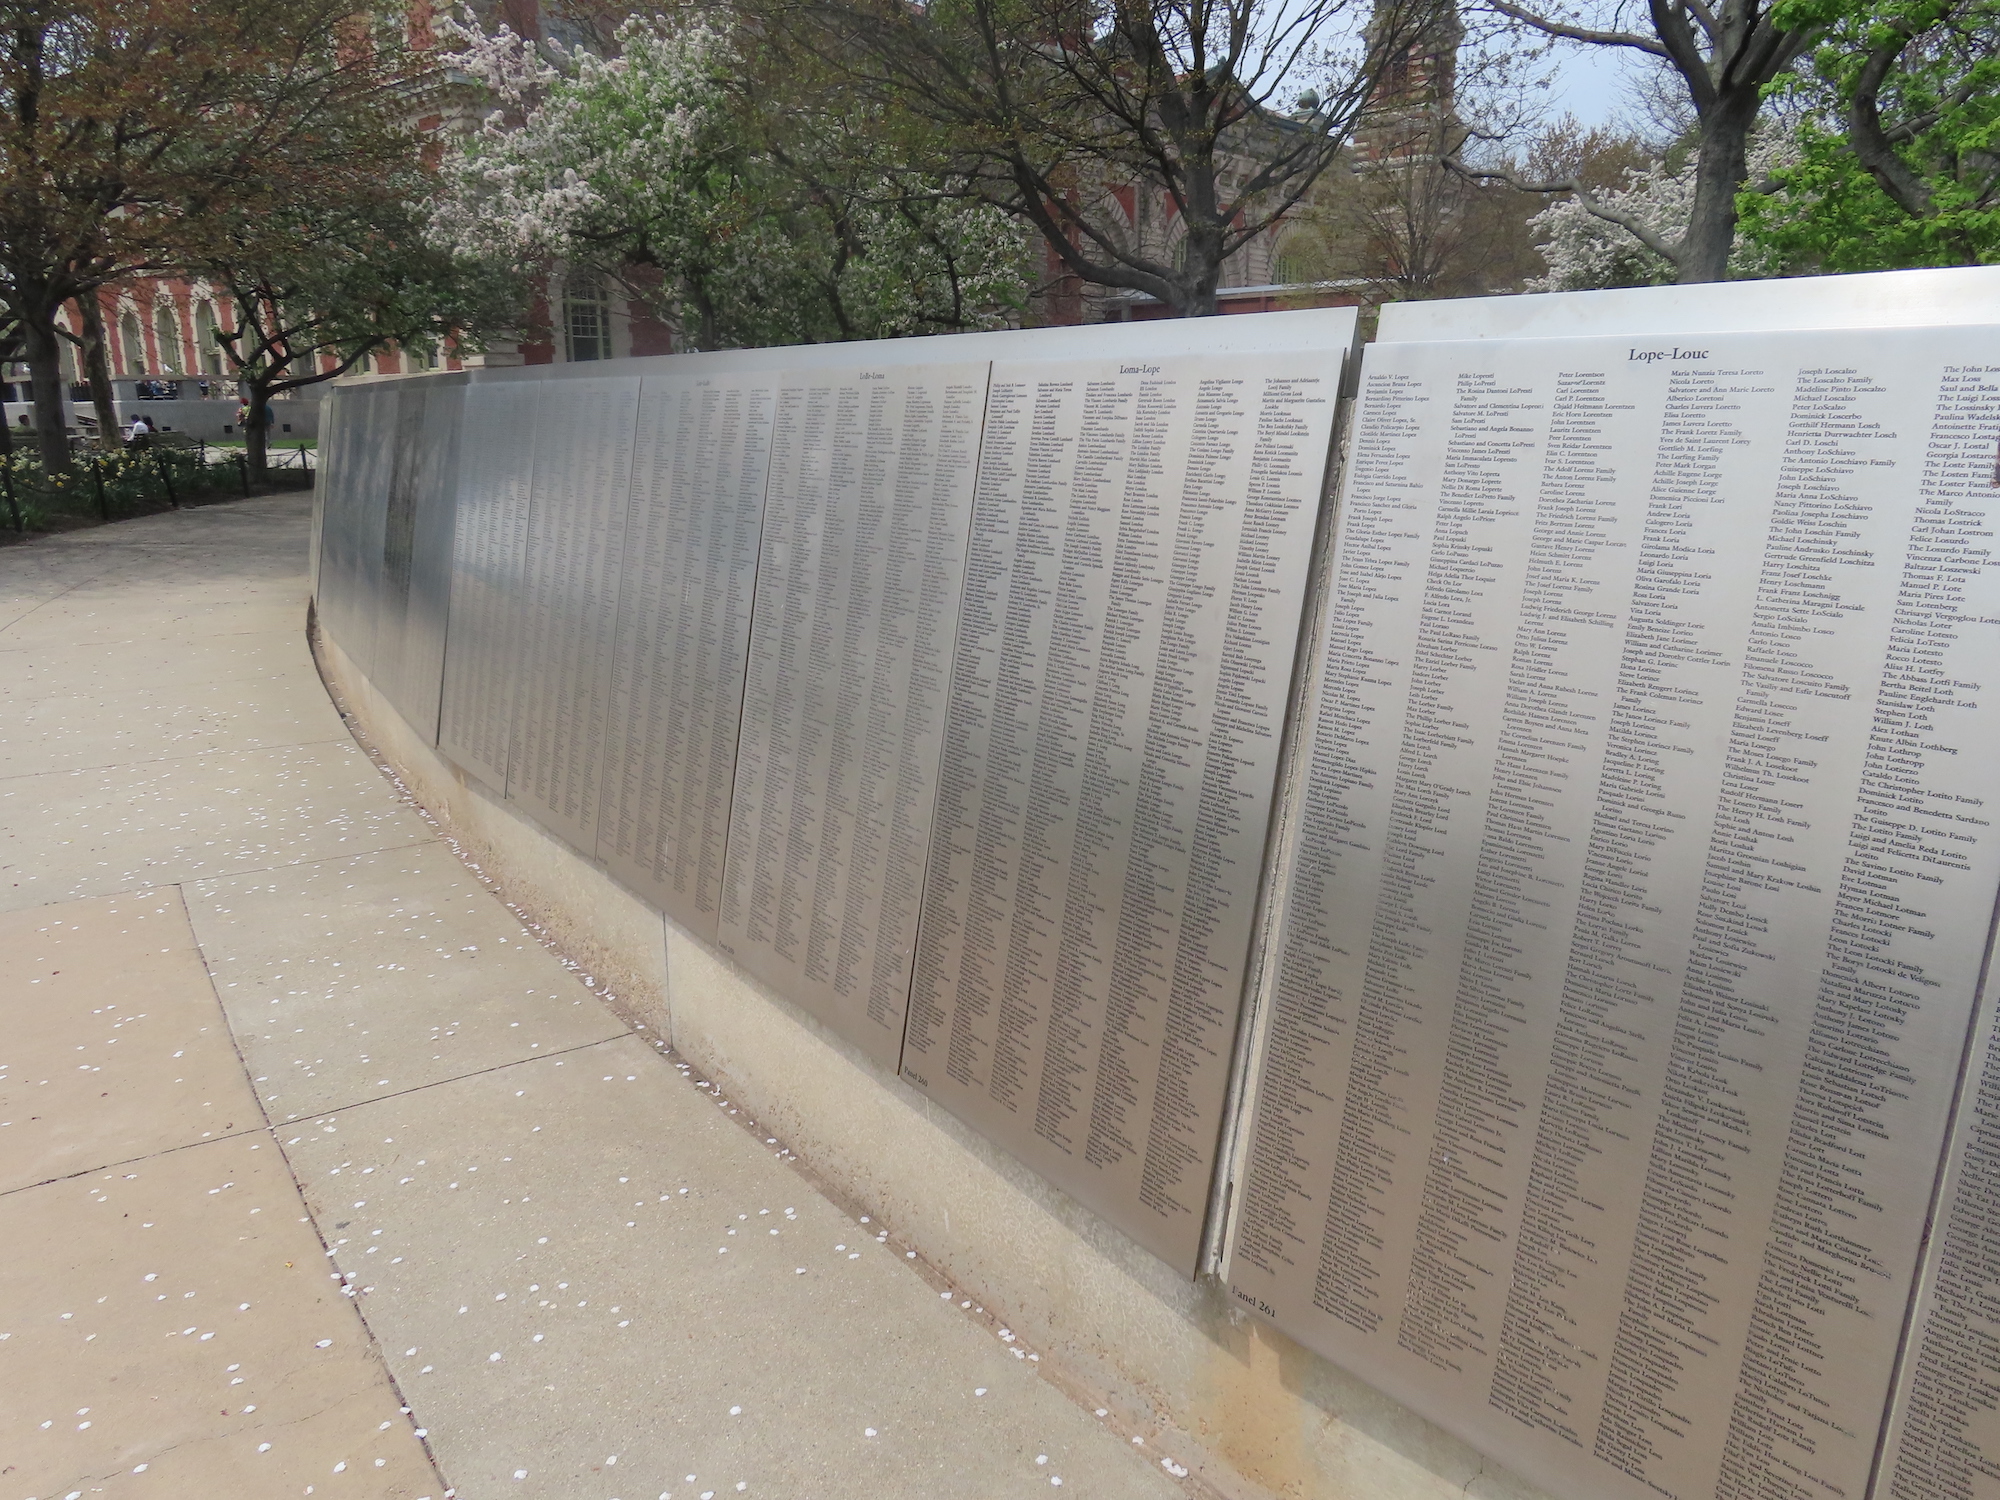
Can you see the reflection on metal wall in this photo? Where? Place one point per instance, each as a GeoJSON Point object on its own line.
{"type": "Point", "coordinates": [488, 564]}
{"type": "Point", "coordinates": [416, 550]}
{"type": "Point", "coordinates": [356, 505]}
{"type": "Point", "coordinates": [702, 621]}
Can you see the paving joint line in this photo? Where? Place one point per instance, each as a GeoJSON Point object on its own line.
{"type": "Point", "coordinates": [370, 1339]}
{"type": "Point", "coordinates": [112, 1166]}
{"type": "Point", "coordinates": [419, 1088]}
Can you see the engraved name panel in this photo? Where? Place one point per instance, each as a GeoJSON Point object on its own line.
{"type": "Point", "coordinates": [1140, 541]}
{"type": "Point", "coordinates": [1634, 904]}
{"type": "Point", "coordinates": [865, 527]}
{"type": "Point", "coordinates": [488, 578]}
{"type": "Point", "coordinates": [689, 571]}
{"type": "Point", "coordinates": [584, 433]}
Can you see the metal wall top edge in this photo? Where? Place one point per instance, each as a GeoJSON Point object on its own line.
{"type": "Point", "coordinates": [416, 377]}
{"type": "Point", "coordinates": [1305, 328]}
{"type": "Point", "coordinates": [1878, 299]}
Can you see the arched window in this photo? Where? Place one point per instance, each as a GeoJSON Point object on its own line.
{"type": "Point", "coordinates": [586, 316]}
{"type": "Point", "coordinates": [167, 334]}
{"type": "Point", "coordinates": [132, 344]}
{"type": "Point", "coordinates": [208, 355]}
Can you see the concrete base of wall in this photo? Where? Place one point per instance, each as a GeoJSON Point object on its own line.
{"type": "Point", "coordinates": [1176, 1366]}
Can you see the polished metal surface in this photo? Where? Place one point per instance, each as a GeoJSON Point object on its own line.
{"type": "Point", "coordinates": [689, 570]}
{"type": "Point", "coordinates": [351, 560]}
{"type": "Point", "coordinates": [1132, 602]}
{"type": "Point", "coordinates": [488, 578]}
{"type": "Point", "coordinates": [329, 436]}
{"type": "Point", "coordinates": [1881, 299]}
{"type": "Point", "coordinates": [1330, 329]}
{"type": "Point", "coordinates": [1636, 902]}
{"type": "Point", "coordinates": [417, 546]}
{"type": "Point", "coordinates": [1942, 1442]}
{"type": "Point", "coordinates": [865, 526]}
{"type": "Point", "coordinates": [562, 647]}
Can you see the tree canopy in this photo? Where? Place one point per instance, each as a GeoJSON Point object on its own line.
{"type": "Point", "coordinates": [126, 126]}
{"type": "Point", "coordinates": [764, 218]}
{"type": "Point", "coordinates": [1898, 154]}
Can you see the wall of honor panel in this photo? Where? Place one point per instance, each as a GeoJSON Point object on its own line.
{"type": "Point", "coordinates": [688, 577]}
{"type": "Point", "coordinates": [351, 560]}
{"type": "Point", "coordinates": [1136, 575]}
{"type": "Point", "coordinates": [488, 578]}
{"type": "Point", "coordinates": [416, 549]}
{"type": "Point", "coordinates": [865, 525]}
{"type": "Point", "coordinates": [1637, 899]}
{"type": "Point", "coordinates": [1944, 1438]}
{"type": "Point", "coordinates": [584, 436]}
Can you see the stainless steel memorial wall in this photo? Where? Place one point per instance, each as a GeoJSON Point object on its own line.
{"type": "Point", "coordinates": [1597, 808]}
{"type": "Point", "coordinates": [1636, 908]}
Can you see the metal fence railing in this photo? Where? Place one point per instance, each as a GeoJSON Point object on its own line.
{"type": "Point", "coordinates": [110, 486]}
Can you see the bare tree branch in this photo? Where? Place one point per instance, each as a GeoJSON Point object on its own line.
{"type": "Point", "coordinates": [1636, 227]}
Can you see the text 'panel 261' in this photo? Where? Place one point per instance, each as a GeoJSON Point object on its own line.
{"type": "Point", "coordinates": [1140, 540]}
{"type": "Point", "coordinates": [1637, 899]}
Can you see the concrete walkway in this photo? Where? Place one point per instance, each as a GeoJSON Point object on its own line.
{"type": "Point", "coordinates": [320, 1176]}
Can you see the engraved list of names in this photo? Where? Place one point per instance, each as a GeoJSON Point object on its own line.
{"type": "Point", "coordinates": [1133, 591]}
{"type": "Point", "coordinates": [1637, 900]}
{"type": "Point", "coordinates": [865, 522]}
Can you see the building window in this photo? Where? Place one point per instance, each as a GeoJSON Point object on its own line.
{"type": "Point", "coordinates": [587, 316]}
{"type": "Point", "coordinates": [132, 344]}
{"type": "Point", "coordinates": [208, 354]}
{"type": "Point", "coordinates": [167, 334]}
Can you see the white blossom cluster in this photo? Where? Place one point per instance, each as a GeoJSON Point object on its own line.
{"type": "Point", "coordinates": [638, 159]}
{"type": "Point", "coordinates": [1584, 251]}
{"type": "Point", "coordinates": [563, 139]}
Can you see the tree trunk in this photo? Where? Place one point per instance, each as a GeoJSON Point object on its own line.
{"type": "Point", "coordinates": [1201, 270]}
{"type": "Point", "coordinates": [1721, 169]}
{"type": "Point", "coordinates": [257, 431]}
{"type": "Point", "coordinates": [43, 347]}
{"type": "Point", "coordinates": [97, 369]}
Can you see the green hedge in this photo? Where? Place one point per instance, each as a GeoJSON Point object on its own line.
{"type": "Point", "coordinates": [110, 486]}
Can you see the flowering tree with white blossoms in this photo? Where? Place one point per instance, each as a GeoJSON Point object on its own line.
{"type": "Point", "coordinates": [1585, 250]}
{"type": "Point", "coordinates": [740, 224]}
